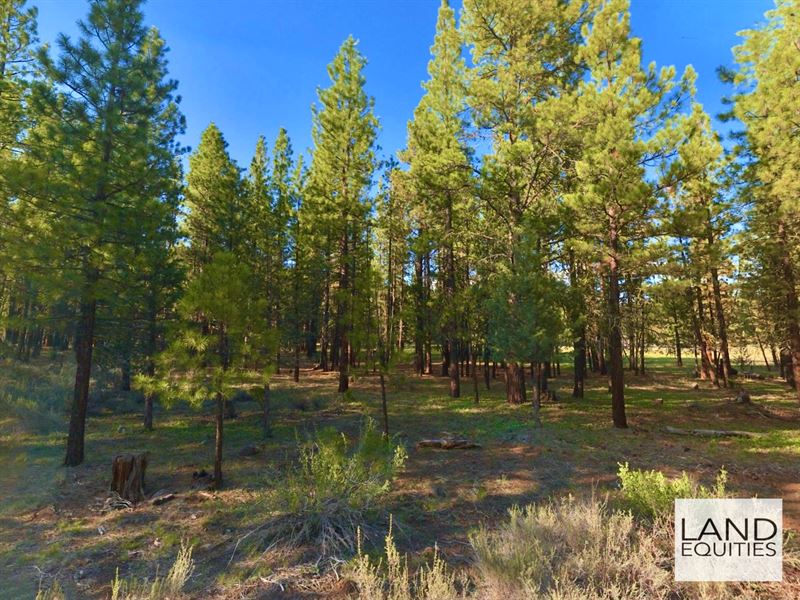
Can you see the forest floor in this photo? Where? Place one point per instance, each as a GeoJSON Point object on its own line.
{"type": "Point", "coordinates": [53, 525]}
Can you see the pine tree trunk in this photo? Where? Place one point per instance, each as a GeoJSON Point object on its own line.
{"type": "Point", "coordinates": [763, 351]}
{"type": "Point", "coordinates": [579, 362]}
{"type": "Point", "coordinates": [266, 405]}
{"type": "Point", "coordinates": [84, 344]}
{"type": "Point", "coordinates": [217, 484]}
{"type": "Point", "coordinates": [722, 327]}
{"type": "Point", "coordinates": [487, 376]}
{"type": "Point", "coordinates": [537, 395]}
{"type": "Point", "coordinates": [342, 316]}
{"type": "Point", "coordinates": [455, 381]}
{"type": "Point", "coordinates": [419, 341]}
{"type": "Point", "coordinates": [792, 304]}
{"type": "Point", "coordinates": [325, 329]}
{"type": "Point", "coordinates": [602, 367]}
{"type": "Point", "coordinates": [150, 370]}
{"type": "Point", "coordinates": [615, 334]}
{"type": "Point", "coordinates": [642, 343]}
{"type": "Point", "coordinates": [475, 374]}
{"type": "Point", "coordinates": [515, 383]}
{"type": "Point", "coordinates": [296, 371]}
{"type": "Point", "coordinates": [775, 361]}
{"type": "Point", "coordinates": [384, 407]}
{"type": "Point", "coordinates": [707, 370]}
{"type": "Point", "coordinates": [678, 357]}
{"type": "Point", "coordinates": [148, 412]}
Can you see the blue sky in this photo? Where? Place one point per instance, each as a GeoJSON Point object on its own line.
{"type": "Point", "coordinates": [253, 66]}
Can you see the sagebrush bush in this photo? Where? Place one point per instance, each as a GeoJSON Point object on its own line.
{"type": "Point", "coordinates": [335, 489]}
{"type": "Point", "coordinates": [651, 494]}
{"type": "Point", "coordinates": [569, 549]}
{"type": "Point", "coordinates": [54, 592]}
{"type": "Point", "coordinates": [169, 587]}
{"type": "Point", "coordinates": [390, 578]}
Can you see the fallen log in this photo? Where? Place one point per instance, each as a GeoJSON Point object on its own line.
{"type": "Point", "coordinates": [448, 444]}
{"type": "Point", "coordinates": [161, 497]}
{"type": "Point", "coordinates": [709, 432]}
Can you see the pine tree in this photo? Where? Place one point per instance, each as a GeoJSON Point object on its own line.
{"type": "Point", "coordinates": [766, 99]}
{"type": "Point", "coordinates": [337, 200]}
{"type": "Point", "coordinates": [440, 172]}
{"type": "Point", "coordinates": [626, 117]}
{"type": "Point", "coordinates": [703, 221]}
{"type": "Point", "coordinates": [216, 210]}
{"type": "Point", "coordinates": [524, 63]}
{"type": "Point", "coordinates": [282, 208]}
{"type": "Point", "coordinates": [221, 328]}
{"type": "Point", "coordinates": [20, 298]}
{"type": "Point", "coordinates": [102, 155]}
{"type": "Point", "coordinates": [17, 36]}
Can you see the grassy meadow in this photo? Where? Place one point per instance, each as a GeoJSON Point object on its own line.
{"type": "Point", "coordinates": [57, 526]}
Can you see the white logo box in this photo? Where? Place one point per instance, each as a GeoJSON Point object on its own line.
{"type": "Point", "coordinates": [729, 539]}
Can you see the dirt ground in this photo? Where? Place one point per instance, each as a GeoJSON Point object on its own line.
{"type": "Point", "coordinates": [54, 524]}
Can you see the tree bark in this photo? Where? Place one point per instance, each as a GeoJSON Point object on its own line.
{"type": "Point", "coordinates": [384, 407]}
{"type": "Point", "coordinates": [84, 344]}
{"type": "Point", "coordinates": [455, 381]}
{"type": "Point", "coordinates": [127, 476]}
{"type": "Point", "coordinates": [792, 304]}
{"type": "Point", "coordinates": [419, 309]}
{"type": "Point", "coordinates": [536, 404]}
{"type": "Point", "coordinates": [474, 354]}
{"type": "Point", "coordinates": [343, 316]}
{"type": "Point", "coordinates": [615, 333]}
{"type": "Point", "coordinates": [515, 383]}
{"type": "Point", "coordinates": [266, 421]}
{"type": "Point", "coordinates": [579, 362]}
{"type": "Point", "coordinates": [487, 376]}
{"type": "Point", "coordinates": [722, 327]}
{"type": "Point", "coordinates": [707, 370]}
{"type": "Point", "coordinates": [217, 484]}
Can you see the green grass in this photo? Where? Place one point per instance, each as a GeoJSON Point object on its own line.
{"type": "Point", "coordinates": [576, 450]}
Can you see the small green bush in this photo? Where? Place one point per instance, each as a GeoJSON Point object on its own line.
{"type": "Point", "coordinates": [651, 494]}
{"type": "Point", "coordinates": [335, 489]}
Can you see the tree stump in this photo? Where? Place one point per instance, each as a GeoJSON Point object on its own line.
{"type": "Point", "coordinates": [127, 476]}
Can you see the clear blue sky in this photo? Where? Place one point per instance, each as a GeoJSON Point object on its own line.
{"type": "Point", "coordinates": [253, 66]}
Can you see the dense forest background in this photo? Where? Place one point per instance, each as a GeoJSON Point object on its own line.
{"type": "Point", "coordinates": [554, 192]}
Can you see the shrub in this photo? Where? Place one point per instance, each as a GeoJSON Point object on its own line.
{"type": "Point", "coordinates": [389, 578]}
{"type": "Point", "coordinates": [569, 549]}
{"type": "Point", "coordinates": [651, 494]}
{"type": "Point", "coordinates": [161, 588]}
{"type": "Point", "coordinates": [34, 396]}
{"type": "Point", "coordinates": [32, 415]}
{"type": "Point", "coordinates": [54, 592]}
{"type": "Point", "coordinates": [335, 489]}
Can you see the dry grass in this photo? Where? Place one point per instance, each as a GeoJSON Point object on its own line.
{"type": "Point", "coordinates": [390, 578]}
